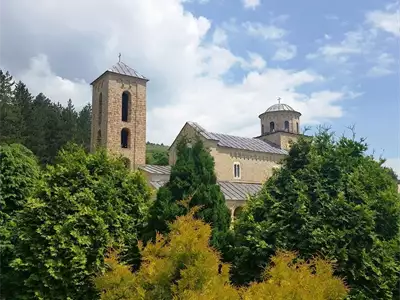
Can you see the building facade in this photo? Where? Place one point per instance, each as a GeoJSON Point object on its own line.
{"type": "Point", "coordinates": [119, 113]}
{"type": "Point", "coordinates": [242, 164]}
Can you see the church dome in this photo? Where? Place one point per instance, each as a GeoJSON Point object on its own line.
{"type": "Point", "coordinates": [279, 107]}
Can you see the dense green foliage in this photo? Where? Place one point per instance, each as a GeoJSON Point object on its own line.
{"type": "Point", "coordinates": [19, 177]}
{"type": "Point", "coordinates": [38, 123]}
{"type": "Point", "coordinates": [86, 203]}
{"type": "Point", "coordinates": [193, 178]}
{"type": "Point", "coordinates": [329, 198]}
{"type": "Point", "coordinates": [182, 265]}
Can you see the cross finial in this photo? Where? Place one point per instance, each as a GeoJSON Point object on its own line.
{"type": "Point", "coordinates": [119, 57]}
{"type": "Point", "coordinates": [279, 100]}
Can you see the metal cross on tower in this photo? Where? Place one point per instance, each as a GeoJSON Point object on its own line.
{"type": "Point", "coordinates": [119, 57]}
{"type": "Point", "coordinates": [279, 100]}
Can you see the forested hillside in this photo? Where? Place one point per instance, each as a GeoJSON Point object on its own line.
{"type": "Point", "coordinates": [44, 125]}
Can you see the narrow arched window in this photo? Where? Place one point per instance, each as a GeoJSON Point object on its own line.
{"type": "Point", "coordinates": [297, 127]}
{"type": "Point", "coordinates": [125, 138]}
{"type": "Point", "coordinates": [262, 129]}
{"type": "Point", "coordinates": [236, 170]}
{"type": "Point", "coordinates": [126, 97]}
{"type": "Point", "coordinates": [100, 108]}
{"type": "Point", "coordinates": [271, 126]}
{"type": "Point", "coordinates": [286, 125]}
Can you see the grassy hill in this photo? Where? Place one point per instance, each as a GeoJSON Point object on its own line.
{"type": "Point", "coordinates": [156, 154]}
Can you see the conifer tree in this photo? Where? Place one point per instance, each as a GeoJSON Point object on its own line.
{"type": "Point", "coordinates": [182, 265]}
{"type": "Point", "coordinates": [192, 177]}
{"type": "Point", "coordinates": [328, 197]}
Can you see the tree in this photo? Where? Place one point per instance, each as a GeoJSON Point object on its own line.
{"type": "Point", "coordinates": [329, 198]}
{"type": "Point", "coordinates": [38, 123]}
{"type": "Point", "coordinates": [87, 203]}
{"type": "Point", "coordinates": [191, 177]}
{"type": "Point", "coordinates": [19, 177]}
{"type": "Point", "coordinates": [183, 266]}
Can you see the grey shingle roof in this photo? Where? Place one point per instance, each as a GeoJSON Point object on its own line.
{"type": "Point", "coordinates": [154, 169]}
{"type": "Point", "coordinates": [157, 184]}
{"type": "Point", "coordinates": [122, 68]}
{"type": "Point", "coordinates": [231, 190]}
{"type": "Point", "coordinates": [237, 142]}
{"type": "Point", "coordinates": [238, 190]}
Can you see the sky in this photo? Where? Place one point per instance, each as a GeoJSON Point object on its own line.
{"type": "Point", "coordinates": [220, 63]}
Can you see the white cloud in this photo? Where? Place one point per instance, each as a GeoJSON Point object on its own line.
{"type": "Point", "coordinates": [285, 52]}
{"type": "Point", "coordinates": [251, 4]}
{"type": "Point", "coordinates": [354, 42]}
{"type": "Point", "coordinates": [219, 37]}
{"type": "Point", "coordinates": [364, 43]}
{"type": "Point", "coordinates": [384, 66]}
{"type": "Point", "coordinates": [387, 20]}
{"type": "Point", "coordinates": [39, 78]}
{"type": "Point", "coordinates": [167, 44]}
{"type": "Point", "coordinates": [256, 61]}
{"type": "Point", "coordinates": [267, 32]}
{"type": "Point", "coordinates": [393, 163]}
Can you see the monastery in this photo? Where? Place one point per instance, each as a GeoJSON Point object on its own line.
{"type": "Point", "coordinates": [242, 164]}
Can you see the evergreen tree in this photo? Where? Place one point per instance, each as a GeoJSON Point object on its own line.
{"type": "Point", "coordinates": [86, 203]}
{"type": "Point", "coordinates": [38, 123]}
{"type": "Point", "coordinates": [19, 178]}
{"type": "Point", "coordinates": [329, 198]}
{"type": "Point", "coordinates": [191, 177]}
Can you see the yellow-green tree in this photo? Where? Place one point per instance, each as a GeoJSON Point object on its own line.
{"type": "Point", "coordinates": [183, 266]}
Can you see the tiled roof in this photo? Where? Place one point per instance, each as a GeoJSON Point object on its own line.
{"type": "Point", "coordinates": [154, 169]}
{"type": "Point", "coordinates": [231, 190]}
{"type": "Point", "coordinates": [157, 184]}
{"type": "Point", "coordinates": [237, 142]}
{"type": "Point", "coordinates": [280, 107]}
{"type": "Point", "coordinates": [122, 68]}
{"type": "Point", "coordinates": [238, 190]}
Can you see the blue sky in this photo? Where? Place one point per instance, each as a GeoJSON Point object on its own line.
{"type": "Point", "coordinates": [218, 62]}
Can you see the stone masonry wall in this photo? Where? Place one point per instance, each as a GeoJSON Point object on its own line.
{"type": "Point", "coordinates": [255, 167]}
{"type": "Point", "coordinates": [112, 86]}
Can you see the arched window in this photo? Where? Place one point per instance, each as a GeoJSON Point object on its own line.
{"type": "Point", "coordinates": [126, 97]}
{"type": "Point", "coordinates": [236, 170]}
{"type": "Point", "coordinates": [99, 138]}
{"type": "Point", "coordinates": [297, 127]}
{"type": "Point", "coordinates": [262, 129]}
{"type": "Point", "coordinates": [271, 126]}
{"type": "Point", "coordinates": [287, 125]}
{"type": "Point", "coordinates": [100, 108]}
{"type": "Point", "coordinates": [125, 138]}
{"type": "Point", "coordinates": [237, 212]}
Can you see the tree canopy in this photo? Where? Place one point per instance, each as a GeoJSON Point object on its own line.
{"type": "Point", "coordinates": [182, 265]}
{"type": "Point", "coordinates": [86, 203]}
{"type": "Point", "coordinates": [19, 178]}
{"type": "Point", "coordinates": [329, 197]}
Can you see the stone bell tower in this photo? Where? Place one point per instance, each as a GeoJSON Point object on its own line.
{"type": "Point", "coordinates": [280, 124]}
{"type": "Point", "coordinates": [119, 113]}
